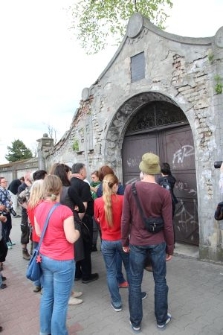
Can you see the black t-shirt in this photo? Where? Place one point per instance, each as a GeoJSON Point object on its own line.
{"type": "Point", "coordinates": [14, 185]}
{"type": "Point", "coordinates": [82, 188]}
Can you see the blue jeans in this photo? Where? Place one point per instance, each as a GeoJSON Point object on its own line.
{"type": "Point", "coordinates": [137, 258]}
{"type": "Point", "coordinates": [109, 250]}
{"type": "Point", "coordinates": [57, 281]}
{"type": "Point", "coordinates": [120, 277]}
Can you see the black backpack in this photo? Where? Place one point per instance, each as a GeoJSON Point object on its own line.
{"type": "Point", "coordinates": [165, 184]}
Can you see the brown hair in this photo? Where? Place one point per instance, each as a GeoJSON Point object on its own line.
{"type": "Point", "coordinates": [96, 173]}
{"type": "Point", "coordinates": [103, 171]}
{"type": "Point", "coordinates": [108, 182]}
{"type": "Point", "coordinates": [52, 186]}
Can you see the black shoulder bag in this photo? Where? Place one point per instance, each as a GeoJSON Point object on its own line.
{"type": "Point", "coordinates": [153, 224]}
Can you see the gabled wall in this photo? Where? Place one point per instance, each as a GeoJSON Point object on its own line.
{"type": "Point", "coordinates": [179, 69]}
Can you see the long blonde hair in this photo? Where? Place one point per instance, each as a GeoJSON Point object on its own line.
{"type": "Point", "coordinates": [108, 182]}
{"type": "Point", "coordinates": [36, 193]}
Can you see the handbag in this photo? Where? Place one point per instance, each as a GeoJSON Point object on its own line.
{"type": "Point", "coordinates": [85, 232]}
{"type": "Point", "coordinates": [83, 228]}
{"type": "Point", "coordinates": [218, 215]}
{"type": "Point", "coordinates": [34, 270]}
{"type": "Point", "coordinates": [153, 224]}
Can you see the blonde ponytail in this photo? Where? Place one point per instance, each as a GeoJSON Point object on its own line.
{"type": "Point", "coordinates": [108, 182]}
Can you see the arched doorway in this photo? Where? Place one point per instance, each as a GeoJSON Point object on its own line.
{"type": "Point", "coordinates": [162, 127]}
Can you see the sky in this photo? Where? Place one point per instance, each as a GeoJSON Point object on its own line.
{"type": "Point", "coordinates": [43, 69]}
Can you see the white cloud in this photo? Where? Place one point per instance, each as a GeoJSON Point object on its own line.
{"type": "Point", "coordinates": [43, 70]}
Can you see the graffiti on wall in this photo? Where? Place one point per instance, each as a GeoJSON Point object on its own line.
{"type": "Point", "coordinates": [181, 154]}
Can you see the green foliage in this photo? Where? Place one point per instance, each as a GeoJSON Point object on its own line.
{"type": "Point", "coordinates": [211, 57]}
{"type": "Point", "coordinates": [96, 21]}
{"type": "Point", "coordinates": [76, 145]}
{"type": "Point", "coordinates": [18, 151]}
{"type": "Point", "coordinates": [218, 85]}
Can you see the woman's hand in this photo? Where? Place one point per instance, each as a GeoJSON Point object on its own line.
{"type": "Point", "coordinates": [125, 249]}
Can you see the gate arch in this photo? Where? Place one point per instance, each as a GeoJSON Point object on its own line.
{"type": "Point", "coordinates": [151, 121]}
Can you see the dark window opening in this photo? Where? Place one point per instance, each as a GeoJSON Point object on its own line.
{"type": "Point", "coordinates": [138, 67]}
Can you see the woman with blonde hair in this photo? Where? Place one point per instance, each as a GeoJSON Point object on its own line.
{"type": "Point", "coordinates": [57, 257]}
{"type": "Point", "coordinates": [107, 213]}
{"type": "Point", "coordinates": [36, 196]}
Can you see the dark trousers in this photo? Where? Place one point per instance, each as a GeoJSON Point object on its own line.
{"type": "Point", "coordinates": [84, 267]}
{"type": "Point", "coordinates": [7, 226]}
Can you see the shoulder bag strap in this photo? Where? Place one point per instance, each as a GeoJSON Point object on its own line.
{"type": "Point", "coordinates": [46, 224]}
{"type": "Point", "coordinates": [134, 191]}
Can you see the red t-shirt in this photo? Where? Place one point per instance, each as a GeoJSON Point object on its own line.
{"type": "Point", "coordinates": [109, 233]}
{"type": "Point", "coordinates": [55, 244]}
{"type": "Point", "coordinates": [30, 212]}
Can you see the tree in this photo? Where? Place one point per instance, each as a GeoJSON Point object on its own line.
{"type": "Point", "coordinates": [95, 21]}
{"type": "Point", "coordinates": [52, 132]}
{"type": "Point", "coordinates": [18, 151]}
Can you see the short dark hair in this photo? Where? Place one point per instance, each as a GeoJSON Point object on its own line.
{"type": "Point", "coordinates": [39, 174]}
{"type": "Point", "coordinates": [77, 167]}
{"type": "Point", "coordinates": [165, 169]}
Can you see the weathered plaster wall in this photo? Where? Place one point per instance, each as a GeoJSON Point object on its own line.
{"type": "Point", "coordinates": [178, 69]}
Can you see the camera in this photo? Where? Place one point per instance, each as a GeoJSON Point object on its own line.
{"type": "Point", "coordinates": [12, 212]}
{"type": "Point", "coordinates": [217, 164]}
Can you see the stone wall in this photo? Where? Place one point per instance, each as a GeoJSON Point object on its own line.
{"type": "Point", "coordinates": [180, 70]}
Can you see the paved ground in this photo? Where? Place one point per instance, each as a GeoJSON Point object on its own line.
{"type": "Point", "coordinates": [195, 300]}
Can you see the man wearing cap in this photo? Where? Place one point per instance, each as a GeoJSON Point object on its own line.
{"type": "Point", "coordinates": [156, 202]}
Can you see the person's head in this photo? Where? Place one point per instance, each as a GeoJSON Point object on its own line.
{"type": "Point", "coordinates": [165, 169]}
{"type": "Point", "coordinates": [63, 171]}
{"type": "Point", "coordinates": [52, 186]}
{"type": "Point", "coordinates": [110, 186]}
{"type": "Point", "coordinates": [22, 179]}
{"type": "Point", "coordinates": [39, 174]}
{"type": "Point", "coordinates": [36, 193]}
{"type": "Point", "coordinates": [103, 171]}
{"type": "Point", "coordinates": [150, 164]}
{"type": "Point", "coordinates": [80, 169]}
{"type": "Point", "coordinates": [3, 182]}
{"type": "Point", "coordinates": [28, 178]}
{"type": "Point", "coordinates": [95, 176]}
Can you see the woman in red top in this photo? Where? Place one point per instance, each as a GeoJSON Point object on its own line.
{"type": "Point", "coordinates": [36, 196]}
{"type": "Point", "coordinates": [57, 255]}
{"type": "Point", "coordinates": [108, 212]}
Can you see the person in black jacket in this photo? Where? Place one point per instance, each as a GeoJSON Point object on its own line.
{"type": "Point", "coordinates": [169, 180]}
{"type": "Point", "coordinates": [82, 189]}
{"type": "Point", "coordinates": [13, 188]}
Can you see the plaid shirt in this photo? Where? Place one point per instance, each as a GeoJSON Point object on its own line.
{"type": "Point", "coordinates": [5, 198]}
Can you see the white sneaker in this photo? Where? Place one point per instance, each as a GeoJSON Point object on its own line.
{"type": "Point", "coordinates": [74, 301]}
{"type": "Point", "coordinates": [75, 294]}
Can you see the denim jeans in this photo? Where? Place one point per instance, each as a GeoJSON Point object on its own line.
{"type": "Point", "coordinates": [137, 258]}
{"type": "Point", "coordinates": [120, 277]}
{"type": "Point", "coordinates": [109, 250]}
{"type": "Point", "coordinates": [57, 281]}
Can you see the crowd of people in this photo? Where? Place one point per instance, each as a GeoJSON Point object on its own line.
{"type": "Point", "coordinates": [88, 211]}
